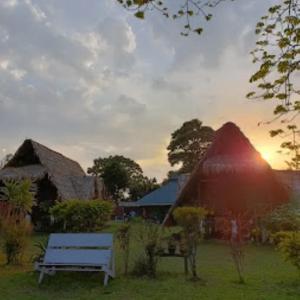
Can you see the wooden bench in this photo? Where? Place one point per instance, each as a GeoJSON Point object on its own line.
{"type": "Point", "coordinates": [79, 252]}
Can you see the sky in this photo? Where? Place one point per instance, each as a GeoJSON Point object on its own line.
{"type": "Point", "coordinates": [88, 79]}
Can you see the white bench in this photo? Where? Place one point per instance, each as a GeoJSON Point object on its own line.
{"type": "Point", "coordinates": [83, 252]}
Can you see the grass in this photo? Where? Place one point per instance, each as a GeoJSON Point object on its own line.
{"type": "Point", "coordinates": [267, 277]}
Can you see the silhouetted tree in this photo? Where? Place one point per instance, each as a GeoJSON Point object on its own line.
{"type": "Point", "coordinates": [188, 144]}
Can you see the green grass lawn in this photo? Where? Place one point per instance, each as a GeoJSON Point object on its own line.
{"type": "Point", "coordinates": [267, 277]}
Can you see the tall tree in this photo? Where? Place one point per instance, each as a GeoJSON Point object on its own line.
{"type": "Point", "coordinates": [188, 144]}
{"type": "Point", "coordinates": [123, 177]}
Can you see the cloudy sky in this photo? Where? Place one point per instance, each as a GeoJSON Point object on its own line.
{"type": "Point", "coordinates": [88, 79]}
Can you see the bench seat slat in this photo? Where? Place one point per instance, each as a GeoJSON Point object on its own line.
{"type": "Point", "coordinates": [82, 240]}
{"type": "Point", "coordinates": [77, 257]}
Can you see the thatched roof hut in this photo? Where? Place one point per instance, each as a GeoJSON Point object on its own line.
{"type": "Point", "coordinates": [232, 177]}
{"type": "Point", "coordinates": [55, 176]}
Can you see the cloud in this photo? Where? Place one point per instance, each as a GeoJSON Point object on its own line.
{"type": "Point", "coordinates": [92, 80]}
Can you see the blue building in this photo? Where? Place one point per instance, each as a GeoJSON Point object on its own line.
{"type": "Point", "coordinates": [156, 204]}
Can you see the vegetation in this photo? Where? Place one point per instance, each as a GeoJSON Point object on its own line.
{"type": "Point", "coordinates": [268, 277]}
{"type": "Point", "coordinates": [188, 145]}
{"type": "Point", "coordinates": [283, 218]}
{"type": "Point", "coordinates": [189, 218]}
{"type": "Point", "coordinates": [123, 235]}
{"type": "Point", "coordinates": [289, 246]}
{"type": "Point", "coordinates": [15, 227]}
{"type": "Point", "coordinates": [148, 236]}
{"type": "Point", "coordinates": [15, 233]}
{"type": "Point", "coordinates": [19, 196]}
{"type": "Point", "coordinates": [82, 216]}
{"type": "Point", "coordinates": [122, 177]}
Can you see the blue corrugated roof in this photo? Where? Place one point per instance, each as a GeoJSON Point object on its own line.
{"type": "Point", "coordinates": [166, 194]}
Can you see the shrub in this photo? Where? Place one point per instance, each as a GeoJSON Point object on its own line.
{"type": "Point", "coordinates": [149, 235]}
{"type": "Point", "coordinates": [19, 195]}
{"type": "Point", "coordinates": [289, 246]}
{"type": "Point", "coordinates": [82, 215]}
{"type": "Point", "coordinates": [15, 233]}
{"type": "Point", "coordinates": [284, 218]}
{"type": "Point", "coordinates": [123, 236]}
{"type": "Point", "coordinates": [189, 218]}
{"type": "Point", "coordinates": [141, 266]}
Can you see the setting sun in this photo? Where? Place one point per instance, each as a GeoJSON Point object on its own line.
{"type": "Point", "coordinates": [267, 155]}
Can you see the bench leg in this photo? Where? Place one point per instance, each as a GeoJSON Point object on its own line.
{"type": "Point", "coordinates": [106, 277]}
{"type": "Point", "coordinates": [41, 276]}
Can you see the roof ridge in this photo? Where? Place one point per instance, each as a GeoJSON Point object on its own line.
{"type": "Point", "coordinates": [39, 145]}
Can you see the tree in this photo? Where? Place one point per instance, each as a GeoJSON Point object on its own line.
{"type": "Point", "coordinates": [188, 144]}
{"type": "Point", "coordinates": [183, 10]}
{"type": "Point", "coordinates": [292, 145]}
{"type": "Point", "coordinates": [142, 185]}
{"type": "Point", "coordinates": [122, 177]}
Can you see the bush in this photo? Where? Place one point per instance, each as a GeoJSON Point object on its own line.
{"type": "Point", "coordinates": [289, 246]}
{"type": "Point", "coordinates": [19, 195]}
{"type": "Point", "coordinates": [149, 235]}
{"type": "Point", "coordinates": [123, 236]}
{"type": "Point", "coordinates": [284, 218]}
{"type": "Point", "coordinates": [141, 266]}
{"type": "Point", "coordinates": [189, 218]}
{"type": "Point", "coordinates": [82, 215]}
{"type": "Point", "coordinates": [15, 232]}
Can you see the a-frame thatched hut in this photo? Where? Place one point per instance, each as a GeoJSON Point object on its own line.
{"type": "Point", "coordinates": [54, 176]}
{"type": "Point", "coordinates": [232, 178]}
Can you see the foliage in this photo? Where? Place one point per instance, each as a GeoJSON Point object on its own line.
{"type": "Point", "coordinates": [269, 278]}
{"type": "Point", "coordinates": [123, 235]}
{"type": "Point", "coordinates": [189, 218]}
{"type": "Point", "coordinates": [122, 177]}
{"type": "Point", "coordinates": [41, 247]}
{"type": "Point", "coordinates": [141, 186]}
{"type": "Point", "coordinates": [149, 235]}
{"type": "Point", "coordinates": [19, 195]}
{"type": "Point", "coordinates": [277, 53]}
{"type": "Point", "coordinates": [82, 215]}
{"type": "Point", "coordinates": [283, 218]}
{"type": "Point", "coordinates": [289, 246]}
{"type": "Point", "coordinates": [188, 144]}
{"type": "Point", "coordinates": [15, 233]}
{"type": "Point", "coordinates": [290, 145]}
{"type": "Point", "coordinates": [183, 11]}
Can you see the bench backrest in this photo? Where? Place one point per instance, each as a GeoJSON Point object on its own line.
{"type": "Point", "coordinates": [80, 240]}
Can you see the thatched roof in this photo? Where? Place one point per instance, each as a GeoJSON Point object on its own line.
{"type": "Point", "coordinates": [231, 151]}
{"type": "Point", "coordinates": [34, 160]}
{"type": "Point", "coordinates": [231, 155]}
{"type": "Point", "coordinates": [32, 172]}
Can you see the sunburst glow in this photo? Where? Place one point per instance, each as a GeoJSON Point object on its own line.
{"type": "Point", "coordinates": [267, 155]}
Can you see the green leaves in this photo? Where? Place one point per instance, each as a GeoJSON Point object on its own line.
{"type": "Point", "coordinates": [140, 14]}
{"type": "Point", "coordinates": [19, 195]}
{"type": "Point", "coordinates": [188, 144]}
{"type": "Point", "coordinates": [82, 216]}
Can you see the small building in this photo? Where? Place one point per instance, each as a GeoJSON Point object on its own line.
{"type": "Point", "coordinates": [232, 179]}
{"type": "Point", "coordinates": [54, 177]}
{"type": "Point", "coordinates": [156, 204]}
